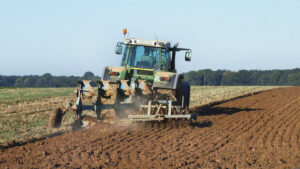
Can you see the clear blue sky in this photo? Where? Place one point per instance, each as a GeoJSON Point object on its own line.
{"type": "Point", "coordinates": [71, 37]}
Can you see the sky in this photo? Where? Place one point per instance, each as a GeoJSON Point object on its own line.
{"type": "Point", "coordinates": [71, 37]}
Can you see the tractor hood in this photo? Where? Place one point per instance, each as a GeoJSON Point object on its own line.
{"type": "Point", "coordinates": [122, 73]}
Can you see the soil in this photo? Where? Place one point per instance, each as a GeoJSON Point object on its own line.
{"type": "Point", "coordinates": [258, 131]}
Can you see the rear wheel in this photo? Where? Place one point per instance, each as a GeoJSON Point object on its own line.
{"type": "Point", "coordinates": [184, 95]}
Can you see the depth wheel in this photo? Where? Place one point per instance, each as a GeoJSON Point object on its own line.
{"type": "Point", "coordinates": [56, 118]}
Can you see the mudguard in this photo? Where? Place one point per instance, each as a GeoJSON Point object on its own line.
{"type": "Point", "coordinates": [113, 79]}
{"type": "Point", "coordinates": [173, 83]}
{"type": "Point", "coordinates": [105, 75]}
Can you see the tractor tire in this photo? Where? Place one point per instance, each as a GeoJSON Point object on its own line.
{"type": "Point", "coordinates": [184, 92]}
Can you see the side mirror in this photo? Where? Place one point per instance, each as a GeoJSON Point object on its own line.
{"type": "Point", "coordinates": [188, 56]}
{"type": "Point", "coordinates": [119, 49]}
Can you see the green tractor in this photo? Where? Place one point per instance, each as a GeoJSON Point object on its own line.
{"type": "Point", "coordinates": [146, 83]}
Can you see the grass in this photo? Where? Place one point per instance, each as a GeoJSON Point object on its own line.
{"type": "Point", "coordinates": [24, 112]}
{"type": "Point", "coordinates": [201, 95]}
{"type": "Point", "coordinates": [14, 95]}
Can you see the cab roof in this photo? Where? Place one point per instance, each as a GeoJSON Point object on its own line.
{"type": "Point", "coordinates": [147, 42]}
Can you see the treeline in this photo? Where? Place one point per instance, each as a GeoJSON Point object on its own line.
{"type": "Point", "coordinates": [290, 77]}
{"type": "Point", "coordinates": [46, 80]}
{"type": "Point", "coordinates": [201, 77]}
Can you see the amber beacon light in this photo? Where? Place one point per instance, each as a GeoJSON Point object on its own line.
{"type": "Point", "coordinates": [124, 31]}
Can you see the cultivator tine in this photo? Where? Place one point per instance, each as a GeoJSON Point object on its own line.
{"type": "Point", "coordinates": [180, 123]}
{"type": "Point", "coordinates": [176, 123]}
{"type": "Point", "coordinates": [183, 123]}
{"type": "Point", "coordinates": [165, 124]}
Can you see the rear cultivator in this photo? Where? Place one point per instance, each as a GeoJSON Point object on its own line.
{"type": "Point", "coordinates": [146, 88]}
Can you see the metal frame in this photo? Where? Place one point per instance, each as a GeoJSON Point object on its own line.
{"type": "Point", "coordinates": [173, 112]}
{"type": "Point", "coordinates": [153, 109]}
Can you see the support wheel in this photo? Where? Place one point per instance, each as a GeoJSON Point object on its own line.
{"type": "Point", "coordinates": [56, 118]}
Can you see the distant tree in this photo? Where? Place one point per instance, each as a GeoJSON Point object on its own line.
{"type": "Point", "coordinates": [212, 78]}
{"type": "Point", "coordinates": [229, 79]}
{"type": "Point", "coordinates": [243, 77]}
{"type": "Point", "coordinates": [294, 78]}
{"type": "Point", "coordinates": [199, 77]}
{"type": "Point", "coordinates": [47, 75]}
{"type": "Point", "coordinates": [88, 75]}
{"type": "Point", "coordinates": [19, 81]}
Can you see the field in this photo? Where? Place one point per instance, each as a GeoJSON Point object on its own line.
{"type": "Point", "coordinates": [25, 112]}
{"type": "Point", "coordinates": [261, 130]}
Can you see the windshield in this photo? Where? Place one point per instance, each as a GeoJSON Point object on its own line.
{"type": "Point", "coordinates": [146, 57]}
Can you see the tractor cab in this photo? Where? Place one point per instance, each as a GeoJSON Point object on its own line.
{"type": "Point", "coordinates": [145, 54]}
{"type": "Point", "coordinates": [150, 60]}
{"type": "Point", "coordinates": [146, 57]}
{"type": "Point", "coordinates": [149, 54]}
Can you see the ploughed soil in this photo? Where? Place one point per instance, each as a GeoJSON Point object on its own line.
{"type": "Point", "coordinates": [258, 131]}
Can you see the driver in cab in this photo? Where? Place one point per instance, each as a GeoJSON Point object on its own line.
{"type": "Point", "coordinates": [147, 60]}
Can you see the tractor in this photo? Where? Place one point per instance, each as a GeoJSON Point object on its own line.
{"type": "Point", "coordinates": [146, 83]}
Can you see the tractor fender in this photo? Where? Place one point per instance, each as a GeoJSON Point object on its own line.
{"type": "Point", "coordinates": [173, 83]}
{"type": "Point", "coordinates": [105, 75]}
{"type": "Point", "coordinates": [113, 79]}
